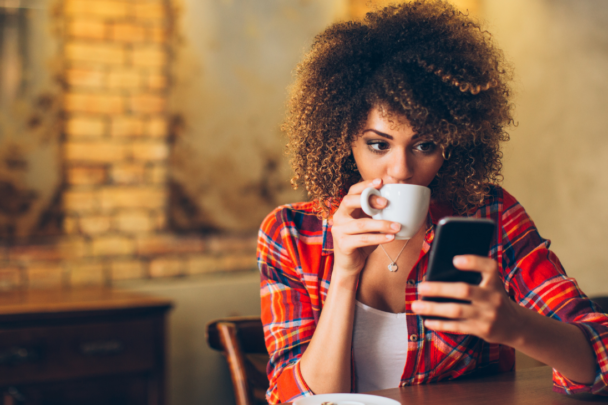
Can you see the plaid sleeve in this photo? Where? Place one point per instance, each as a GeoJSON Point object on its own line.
{"type": "Point", "coordinates": [286, 306]}
{"type": "Point", "coordinates": [535, 278]}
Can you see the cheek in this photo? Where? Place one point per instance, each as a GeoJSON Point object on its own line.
{"type": "Point", "coordinates": [367, 169]}
{"type": "Point", "coordinates": [432, 168]}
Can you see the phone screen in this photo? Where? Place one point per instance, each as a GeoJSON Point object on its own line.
{"type": "Point", "coordinates": [458, 236]}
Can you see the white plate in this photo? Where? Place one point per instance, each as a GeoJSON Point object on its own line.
{"type": "Point", "coordinates": [346, 399]}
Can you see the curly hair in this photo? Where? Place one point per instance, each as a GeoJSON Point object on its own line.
{"type": "Point", "coordinates": [425, 61]}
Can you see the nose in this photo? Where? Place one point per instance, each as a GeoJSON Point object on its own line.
{"type": "Point", "coordinates": [400, 168]}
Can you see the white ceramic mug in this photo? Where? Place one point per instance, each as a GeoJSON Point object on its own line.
{"type": "Point", "coordinates": [408, 204]}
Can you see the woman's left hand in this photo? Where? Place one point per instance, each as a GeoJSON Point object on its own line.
{"type": "Point", "coordinates": [491, 315]}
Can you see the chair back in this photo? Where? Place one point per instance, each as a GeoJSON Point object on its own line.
{"type": "Point", "coordinates": [602, 301]}
{"type": "Point", "coordinates": [241, 340]}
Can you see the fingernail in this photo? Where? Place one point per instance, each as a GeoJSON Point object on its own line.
{"type": "Point", "coordinates": [417, 306]}
{"type": "Point", "coordinates": [459, 260]}
{"type": "Point", "coordinates": [389, 236]}
{"type": "Point", "coordinates": [382, 200]}
{"type": "Point", "coordinates": [423, 287]}
{"type": "Point", "coordinates": [376, 182]}
{"type": "Point", "coordinates": [396, 226]}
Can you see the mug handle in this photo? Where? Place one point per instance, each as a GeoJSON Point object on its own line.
{"type": "Point", "coordinates": [365, 195]}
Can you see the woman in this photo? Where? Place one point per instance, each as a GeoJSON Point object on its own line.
{"type": "Point", "coordinates": [414, 94]}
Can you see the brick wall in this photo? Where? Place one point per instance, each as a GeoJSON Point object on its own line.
{"type": "Point", "coordinates": [115, 151]}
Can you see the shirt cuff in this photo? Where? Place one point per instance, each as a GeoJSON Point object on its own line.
{"type": "Point", "coordinates": [564, 385]}
{"type": "Point", "coordinates": [291, 384]}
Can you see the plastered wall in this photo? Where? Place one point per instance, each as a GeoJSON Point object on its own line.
{"type": "Point", "coordinates": [556, 162]}
{"type": "Point", "coordinates": [230, 76]}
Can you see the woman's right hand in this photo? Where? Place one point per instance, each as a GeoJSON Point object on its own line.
{"type": "Point", "coordinates": [355, 234]}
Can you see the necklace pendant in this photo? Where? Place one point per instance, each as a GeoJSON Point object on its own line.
{"type": "Point", "coordinates": [393, 266]}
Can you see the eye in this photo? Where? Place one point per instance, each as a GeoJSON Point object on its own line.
{"type": "Point", "coordinates": [426, 147]}
{"type": "Point", "coordinates": [378, 146]}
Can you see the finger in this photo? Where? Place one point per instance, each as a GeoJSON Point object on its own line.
{"type": "Point", "coordinates": [485, 265]}
{"type": "Point", "coordinates": [460, 291]}
{"type": "Point", "coordinates": [451, 326]}
{"type": "Point", "coordinates": [359, 187]}
{"type": "Point", "coordinates": [349, 243]}
{"type": "Point", "coordinates": [365, 225]}
{"type": "Point", "coordinates": [450, 310]}
{"type": "Point", "coordinates": [378, 202]}
{"type": "Point", "coordinates": [351, 203]}
{"type": "Point", "coordinates": [475, 263]}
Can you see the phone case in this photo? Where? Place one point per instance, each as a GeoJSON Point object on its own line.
{"type": "Point", "coordinates": [458, 236]}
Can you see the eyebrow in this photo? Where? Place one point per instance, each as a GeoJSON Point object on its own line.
{"type": "Point", "coordinates": [379, 133]}
{"type": "Point", "coordinates": [382, 134]}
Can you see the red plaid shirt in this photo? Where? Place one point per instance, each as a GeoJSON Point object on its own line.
{"type": "Point", "coordinates": [295, 257]}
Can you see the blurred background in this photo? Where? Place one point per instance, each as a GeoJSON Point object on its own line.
{"type": "Point", "coordinates": [140, 146]}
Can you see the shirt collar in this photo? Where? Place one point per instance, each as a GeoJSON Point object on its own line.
{"type": "Point", "coordinates": [439, 210]}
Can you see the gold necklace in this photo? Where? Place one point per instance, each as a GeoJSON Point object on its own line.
{"type": "Point", "coordinates": [392, 267]}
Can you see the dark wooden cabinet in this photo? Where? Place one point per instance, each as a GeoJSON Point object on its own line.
{"type": "Point", "coordinates": [93, 346]}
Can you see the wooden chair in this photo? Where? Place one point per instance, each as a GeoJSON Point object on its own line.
{"type": "Point", "coordinates": [241, 340]}
{"type": "Point", "coordinates": [601, 301]}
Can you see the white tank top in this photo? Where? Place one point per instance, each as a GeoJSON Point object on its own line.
{"type": "Point", "coordinates": [379, 348]}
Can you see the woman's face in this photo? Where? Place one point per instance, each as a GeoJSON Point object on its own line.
{"type": "Point", "coordinates": [391, 150]}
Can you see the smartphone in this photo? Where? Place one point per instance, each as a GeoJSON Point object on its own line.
{"type": "Point", "coordinates": [458, 236]}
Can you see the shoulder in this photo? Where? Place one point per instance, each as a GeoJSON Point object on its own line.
{"type": "Point", "coordinates": [497, 203]}
{"type": "Point", "coordinates": [503, 197]}
{"type": "Point", "coordinates": [297, 217]}
{"type": "Point", "coordinates": [519, 234]}
{"type": "Point", "coordinates": [287, 235]}
{"type": "Point", "coordinates": [510, 216]}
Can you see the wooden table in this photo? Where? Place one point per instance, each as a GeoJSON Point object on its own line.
{"type": "Point", "coordinates": [530, 386]}
{"type": "Point", "coordinates": [82, 346]}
